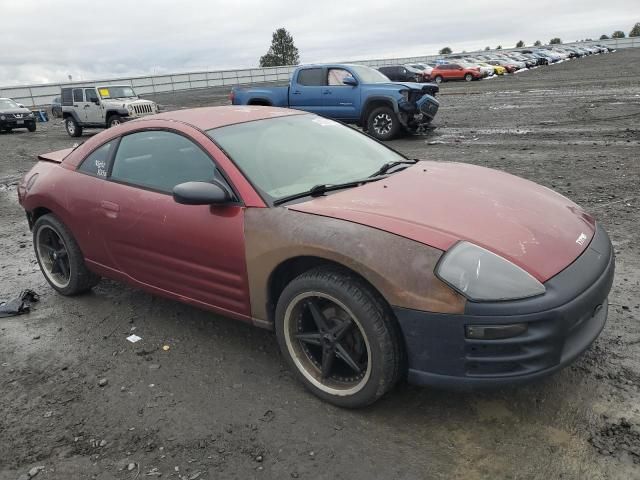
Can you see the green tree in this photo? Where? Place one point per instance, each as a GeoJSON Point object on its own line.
{"type": "Point", "coordinates": [520, 44]}
{"type": "Point", "coordinates": [604, 37]}
{"type": "Point", "coordinates": [618, 34]}
{"type": "Point", "coordinates": [537, 43]}
{"type": "Point", "coordinates": [445, 51]}
{"type": "Point", "coordinates": [487, 48]}
{"type": "Point", "coordinates": [635, 31]}
{"type": "Point", "coordinates": [282, 50]}
{"type": "Point", "coordinates": [499, 47]}
{"type": "Point", "coordinates": [555, 41]}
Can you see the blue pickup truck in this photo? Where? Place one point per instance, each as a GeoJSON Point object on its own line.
{"type": "Point", "coordinates": [353, 94]}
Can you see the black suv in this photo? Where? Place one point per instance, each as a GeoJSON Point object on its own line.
{"type": "Point", "coordinates": [402, 73]}
{"type": "Point", "coordinates": [13, 115]}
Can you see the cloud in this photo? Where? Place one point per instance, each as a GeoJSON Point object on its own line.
{"type": "Point", "coordinates": [47, 40]}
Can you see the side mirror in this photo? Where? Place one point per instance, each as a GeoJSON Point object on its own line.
{"type": "Point", "coordinates": [201, 193]}
{"type": "Point", "coordinates": [349, 80]}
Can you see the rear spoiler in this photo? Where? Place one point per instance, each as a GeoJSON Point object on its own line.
{"type": "Point", "coordinates": [57, 156]}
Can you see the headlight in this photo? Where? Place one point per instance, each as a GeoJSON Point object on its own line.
{"type": "Point", "coordinates": [481, 275]}
{"type": "Point", "coordinates": [405, 94]}
{"type": "Point", "coordinates": [130, 110]}
{"type": "Point", "coordinates": [2, 117]}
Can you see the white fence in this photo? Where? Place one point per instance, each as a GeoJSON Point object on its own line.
{"type": "Point", "coordinates": [40, 95]}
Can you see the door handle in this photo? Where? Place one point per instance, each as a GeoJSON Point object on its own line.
{"type": "Point", "coordinates": [327, 92]}
{"type": "Point", "coordinates": [297, 92]}
{"type": "Point", "coordinates": [111, 209]}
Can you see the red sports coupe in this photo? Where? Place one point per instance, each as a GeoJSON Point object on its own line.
{"type": "Point", "coordinates": [369, 266]}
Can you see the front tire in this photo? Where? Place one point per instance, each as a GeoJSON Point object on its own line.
{"type": "Point", "coordinates": [114, 121]}
{"type": "Point", "coordinates": [60, 258]}
{"type": "Point", "coordinates": [468, 77]}
{"type": "Point", "coordinates": [383, 123]}
{"type": "Point", "coordinates": [339, 337]}
{"type": "Point", "coordinates": [32, 127]}
{"type": "Point", "coordinates": [438, 79]}
{"type": "Point", "coordinates": [72, 127]}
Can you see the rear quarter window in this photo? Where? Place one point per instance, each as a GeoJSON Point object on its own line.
{"type": "Point", "coordinates": [97, 163]}
{"type": "Point", "coordinates": [311, 77]}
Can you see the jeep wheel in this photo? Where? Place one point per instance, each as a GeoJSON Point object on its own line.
{"type": "Point", "coordinates": [32, 127]}
{"type": "Point", "coordinates": [114, 121]}
{"type": "Point", "coordinates": [438, 79]}
{"type": "Point", "coordinates": [468, 77]}
{"type": "Point", "coordinates": [72, 127]}
{"type": "Point", "coordinates": [383, 123]}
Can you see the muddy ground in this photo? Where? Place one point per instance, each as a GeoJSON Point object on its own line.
{"type": "Point", "coordinates": [220, 402]}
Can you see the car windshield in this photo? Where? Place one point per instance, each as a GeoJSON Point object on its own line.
{"type": "Point", "coordinates": [369, 75]}
{"type": "Point", "coordinates": [289, 155]}
{"type": "Point", "coordinates": [8, 103]}
{"type": "Point", "coordinates": [116, 92]}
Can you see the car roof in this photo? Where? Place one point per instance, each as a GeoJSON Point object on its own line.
{"type": "Point", "coordinates": [206, 118]}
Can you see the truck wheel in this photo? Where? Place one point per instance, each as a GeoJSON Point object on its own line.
{"type": "Point", "coordinates": [32, 127]}
{"type": "Point", "coordinates": [114, 121]}
{"type": "Point", "coordinates": [468, 77]}
{"type": "Point", "coordinates": [339, 337]}
{"type": "Point", "coordinates": [438, 79]}
{"type": "Point", "coordinates": [383, 123]}
{"type": "Point", "coordinates": [60, 258]}
{"type": "Point", "coordinates": [72, 127]}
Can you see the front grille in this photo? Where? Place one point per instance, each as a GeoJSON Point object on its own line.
{"type": "Point", "coordinates": [143, 109]}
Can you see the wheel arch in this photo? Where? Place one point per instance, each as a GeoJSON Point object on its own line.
{"type": "Point", "coordinates": [293, 267]}
{"type": "Point", "coordinates": [260, 102]}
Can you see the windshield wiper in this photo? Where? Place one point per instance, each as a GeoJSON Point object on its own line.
{"type": "Point", "coordinates": [389, 165]}
{"type": "Point", "coordinates": [321, 189]}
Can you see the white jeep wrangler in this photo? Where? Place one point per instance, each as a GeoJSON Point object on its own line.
{"type": "Point", "coordinates": [101, 107]}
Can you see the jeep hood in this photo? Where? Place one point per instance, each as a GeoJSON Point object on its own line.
{"type": "Point", "coordinates": [439, 204]}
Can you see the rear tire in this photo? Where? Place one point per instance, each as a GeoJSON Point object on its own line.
{"type": "Point", "coordinates": [360, 337]}
{"type": "Point", "coordinates": [60, 258]}
{"type": "Point", "coordinates": [72, 127]}
{"type": "Point", "coordinates": [383, 123]}
{"type": "Point", "coordinates": [32, 127]}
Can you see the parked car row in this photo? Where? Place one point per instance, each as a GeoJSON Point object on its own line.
{"type": "Point", "coordinates": [471, 67]}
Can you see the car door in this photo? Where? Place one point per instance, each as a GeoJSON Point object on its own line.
{"type": "Point", "coordinates": [194, 253]}
{"type": "Point", "coordinates": [79, 104]}
{"type": "Point", "coordinates": [341, 101]}
{"type": "Point", "coordinates": [306, 89]}
{"type": "Point", "coordinates": [93, 110]}
{"type": "Point", "coordinates": [455, 72]}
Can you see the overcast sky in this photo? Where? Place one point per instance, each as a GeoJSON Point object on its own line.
{"type": "Point", "coordinates": [46, 40]}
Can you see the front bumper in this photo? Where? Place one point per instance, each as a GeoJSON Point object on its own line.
{"type": "Point", "coordinates": [17, 123]}
{"type": "Point", "coordinates": [561, 324]}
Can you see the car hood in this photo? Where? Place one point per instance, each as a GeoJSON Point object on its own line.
{"type": "Point", "coordinates": [410, 85]}
{"type": "Point", "coordinates": [439, 204]}
{"type": "Point", "coordinates": [24, 111]}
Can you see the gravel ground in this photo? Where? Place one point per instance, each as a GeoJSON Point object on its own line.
{"type": "Point", "coordinates": [80, 401]}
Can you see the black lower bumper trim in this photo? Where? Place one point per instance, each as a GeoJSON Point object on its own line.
{"type": "Point", "coordinates": [561, 324]}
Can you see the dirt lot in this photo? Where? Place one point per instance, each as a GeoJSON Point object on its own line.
{"type": "Point", "coordinates": [220, 403]}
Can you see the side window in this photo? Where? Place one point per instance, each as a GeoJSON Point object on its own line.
{"type": "Point", "coordinates": [97, 163]}
{"type": "Point", "coordinates": [67, 96]}
{"type": "Point", "coordinates": [311, 77]}
{"type": "Point", "coordinates": [336, 76]}
{"type": "Point", "coordinates": [161, 160]}
{"type": "Point", "coordinates": [90, 94]}
{"type": "Point", "coordinates": [77, 95]}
